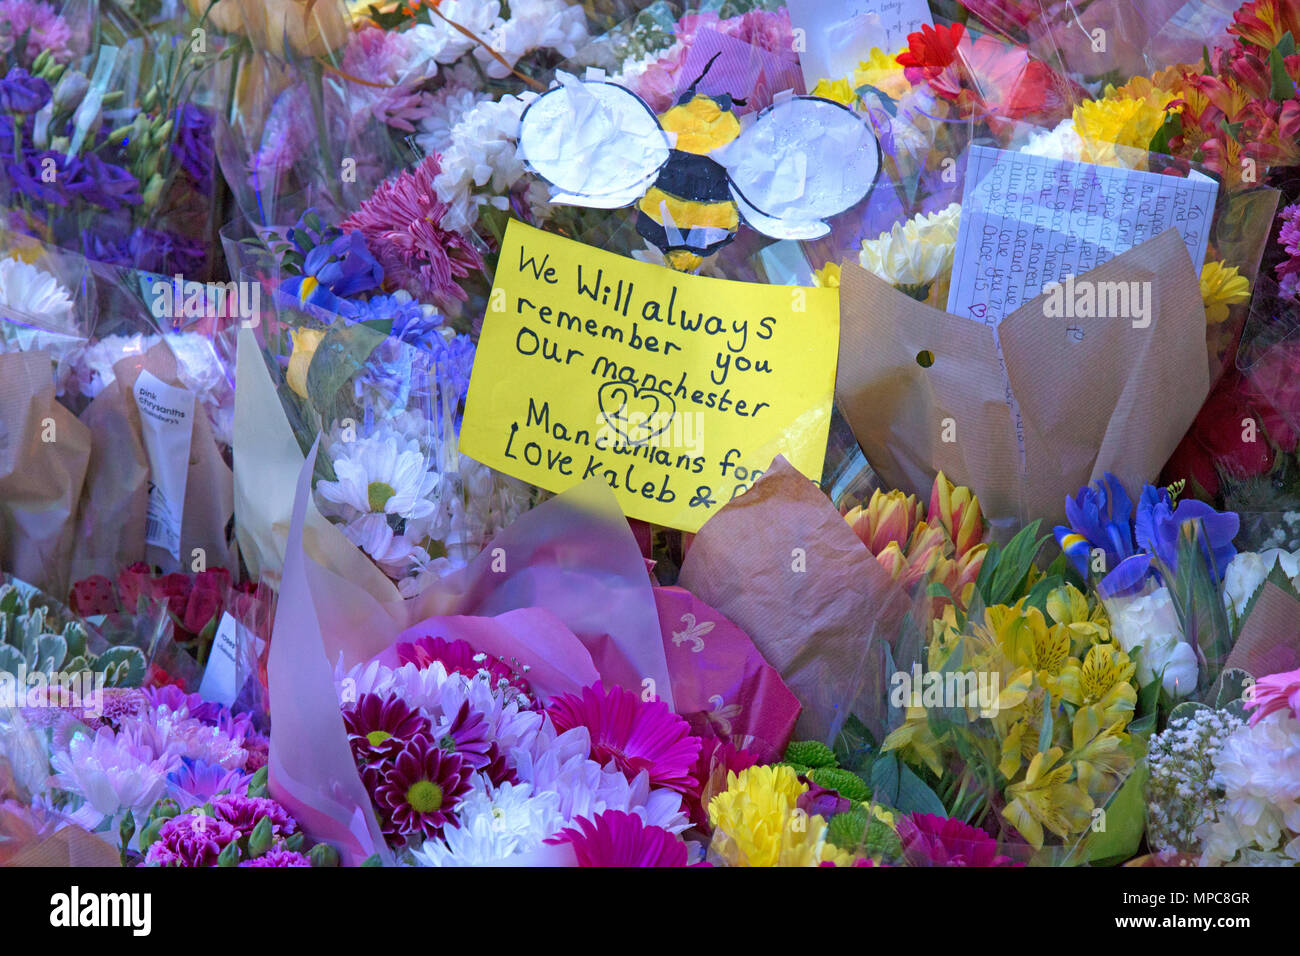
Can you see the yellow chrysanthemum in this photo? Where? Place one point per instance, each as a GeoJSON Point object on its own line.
{"type": "Point", "coordinates": [1124, 121]}
{"type": "Point", "coordinates": [1222, 286]}
{"type": "Point", "coordinates": [828, 276]}
{"type": "Point", "coordinates": [881, 70]}
{"type": "Point", "coordinates": [757, 822]}
{"type": "Point", "coordinates": [839, 90]}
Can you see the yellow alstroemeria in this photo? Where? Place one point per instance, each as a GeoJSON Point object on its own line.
{"type": "Point", "coordinates": [1088, 625]}
{"type": "Point", "coordinates": [914, 739]}
{"type": "Point", "coordinates": [1099, 755]}
{"type": "Point", "coordinates": [1106, 680]}
{"type": "Point", "coordinates": [1222, 286]}
{"type": "Point", "coordinates": [1046, 799]}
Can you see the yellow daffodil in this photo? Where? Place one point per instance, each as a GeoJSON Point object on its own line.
{"type": "Point", "coordinates": [840, 91]}
{"type": "Point", "coordinates": [1221, 287]}
{"type": "Point", "coordinates": [757, 822]}
{"type": "Point", "coordinates": [1047, 799]}
{"type": "Point", "coordinates": [305, 342]}
{"type": "Point", "coordinates": [828, 276]}
{"type": "Point", "coordinates": [1121, 121]}
{"type": "Point", "coordinates": [881, 70]}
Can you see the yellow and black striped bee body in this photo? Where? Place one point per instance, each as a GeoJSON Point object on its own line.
{"type": "Point", "coordinates": [689, 212]}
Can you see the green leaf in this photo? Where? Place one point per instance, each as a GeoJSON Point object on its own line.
{"type": "Point", "coordinates": [889, 104]}
{"type": "Point", "coordinates": [1283, 88]}
{"type": "Point", "coordinates": [1012, 565]}
{"type": "Point", "coordinates": [1045, 732]}
{"type": "Point", "coordinates": [1125, 821]}
{"type": "Point", "coordinates": [122, 666]}
{"type": "Point", "coordinates": [1233, 685]}
{"type": "Point", "coordinates": [340, 356]}
{"type": "Point", "coordinates": [854, 745]}
{"type": "Point", "coordinates": [894, 783]}
{"type": "Point", "coordinates": [51, 650]}
{"type": "Point", "coordinates": [11, 660]}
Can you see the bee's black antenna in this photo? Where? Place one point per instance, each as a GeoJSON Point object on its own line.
{"type": "Point", "coordinates": [708, 66]}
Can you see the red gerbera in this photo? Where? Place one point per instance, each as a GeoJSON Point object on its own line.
{"type": "Point", "coordinates": [635, 734]}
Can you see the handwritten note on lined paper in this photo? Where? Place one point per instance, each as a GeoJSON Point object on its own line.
{"type": "Point", "coordinates": [1029, 221]}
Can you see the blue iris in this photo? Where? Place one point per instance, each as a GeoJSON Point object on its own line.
{"type": "Point", "coordinates": [1102, 517]}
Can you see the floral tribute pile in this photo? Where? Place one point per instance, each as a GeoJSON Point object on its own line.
{"type": "Point", "coordinates": [258, 607]}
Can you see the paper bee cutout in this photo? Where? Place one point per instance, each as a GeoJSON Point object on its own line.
{"type": "Point", "coordinates": [693, 171]}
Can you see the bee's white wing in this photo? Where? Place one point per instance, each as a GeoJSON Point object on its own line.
{"type": "Point", "coordinates": [596, 143]}
{"type": "Point", "coordinates": [804, 159]}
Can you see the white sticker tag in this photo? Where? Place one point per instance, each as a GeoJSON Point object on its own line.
{"type": "Point", "coordinates": [218, 684]}
{"type": "Point", "coordinates": [167, 425]}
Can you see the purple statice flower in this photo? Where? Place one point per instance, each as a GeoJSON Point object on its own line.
{"type": "Point", "coordinates": [192, 145]}
{"type": "Point", "coordinates": [20, 92]}
{"type": "Point", "coordinates": [190, 839]}
{"type": "Point", "coordinates": [244, 813]}
{"type": "Point", "coordinates": [278, 856]}
{"type": "Point", "coordinates": [40, 28]}
{"type": "Point", "coordinates": [197, 782]}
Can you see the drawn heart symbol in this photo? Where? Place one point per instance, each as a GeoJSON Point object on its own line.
{"type": "Point", "coordinates": [637, 414]}
{"type": "Point", "coordinates": [979, 311]}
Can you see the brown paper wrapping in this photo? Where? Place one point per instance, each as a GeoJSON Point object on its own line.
{"type": "Point", "coordinates": [1269, 642]}
{"type": "Point", "coordinates": [1115, 398]}
{"type": "Point", "coordinates": [111, 529]}
{"type": "Point", "coordinates": [40, 481]}
{"type": "Point", "coordinates": [824, 627]}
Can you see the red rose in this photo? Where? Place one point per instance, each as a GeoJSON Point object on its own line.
{"type": "Point", "coordinates": [1228, 437]}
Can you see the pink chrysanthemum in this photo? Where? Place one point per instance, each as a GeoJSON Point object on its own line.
{"type": "Point", "coordinates": [616, 838]}
{"type": "Point", "coordinates": [379, 727]}
{"type": "Point", "coordinates": [420, 790]}
{"type": "Point", "coordinates": [635, 734]}
{"type": "Point", "coordinates": [1273, 693]}
{"type": "Point", "coordinates": [460, 657]}
{"type": "Point", "coordinates": [930, 840]}
{"type": "Point", "coordinates": [402, 225]}
{"type": "Point", "coordinates": [44, 28]}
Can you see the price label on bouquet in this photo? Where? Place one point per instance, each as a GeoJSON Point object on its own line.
{"type": "Point", "coordinates": [676, 390]}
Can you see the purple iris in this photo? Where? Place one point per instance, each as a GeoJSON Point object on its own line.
{"type": "Point", "coordinates": [334, 272]}
{"type": "Point", "coordinates": [1102, 517]}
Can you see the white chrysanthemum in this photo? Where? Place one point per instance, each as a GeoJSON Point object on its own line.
{"type": "Point", "coordinates": [380, 474]}
{"type": "Point", "coordinates": [27, 292]}
{"type": "Point", "coordinates": [447, 107]}
{"type": "Point", "coordinates": [481, 153]}
{"type": "Point", "coordinates": [562, 763]}
{"type": "Point", "coordinates": [533, 25]}
{"type": "Point", "coordinates": [1259, 771]}
{"type": "Point", "coordinates": [494, 825]}
{"type": "Point", "coordinates": [1247, 571]}
{"type": "Point", "coordinates": [441, 42]}
{"type": "Point", "coordinates": [395, 553]}
{"type": "Point", "coordinates": [1060, 143]}
{"type": "Point", "coordinates": [1151, 622]}
{"type": "Point", "coordinates": [916, 252]}
{"type": "Point", "coordinates": [112, 773]}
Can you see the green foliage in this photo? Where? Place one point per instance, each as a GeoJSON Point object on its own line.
{"type": "Point", "coordinates": [810, 753]}
{"type": "Point", "coordinates": [844, 782]}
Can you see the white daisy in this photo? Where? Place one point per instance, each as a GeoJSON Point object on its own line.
{"type": "Point", "coordinates": [494, 825]}
{"type": "Point", "coordinates": [32, 293]}
{"type": "Point", "coordinates": [381, 476]}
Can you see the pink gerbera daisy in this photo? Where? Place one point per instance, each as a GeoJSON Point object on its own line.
{"type": "Point", "coordinates": [615, 838]}
{"type": "Point", "coordinates": [418, 793]}
{"type": "Point", "coordinates": [930, 840]}
{"type": "Point", "coordinates": [635, 734]}
{"type": "Point", "coordinates": [402, 225]}
{"type": "Point", "coordinates": [1275, 692]}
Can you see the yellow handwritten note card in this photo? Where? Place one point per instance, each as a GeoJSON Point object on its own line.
{"type": "Point", "coordinates": [677, 390]}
